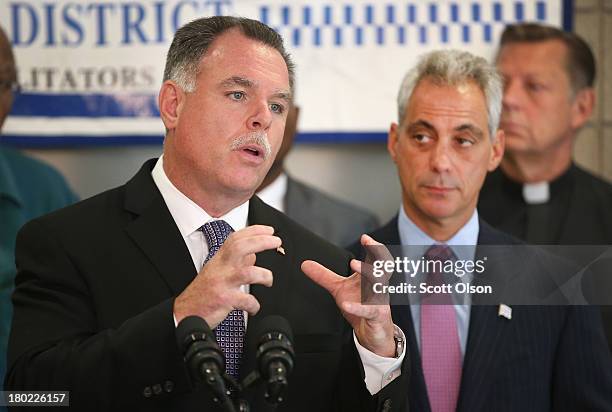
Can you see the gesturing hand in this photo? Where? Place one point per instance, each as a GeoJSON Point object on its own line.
{"type": "Point", "coordinates": [215, 291]}
{"type": "Point", "coordinates": [372, 323]}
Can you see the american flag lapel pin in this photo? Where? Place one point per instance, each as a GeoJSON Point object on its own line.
{"type": "Point", "coordinates": [505, 311]}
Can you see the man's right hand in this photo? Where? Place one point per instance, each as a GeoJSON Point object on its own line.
{"type": "Point", "coordinates": [215, 291]}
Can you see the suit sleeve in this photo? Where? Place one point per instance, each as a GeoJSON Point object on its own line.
{"type": "Point", "coordinates": [56, 344]}
{"type": "Point", "coordinates": [583, 376]}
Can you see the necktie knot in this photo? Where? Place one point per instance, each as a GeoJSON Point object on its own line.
{"type": "Point", "coordinates": [215, 232]}
{"type": "Point", "coordinates": [439, 252]}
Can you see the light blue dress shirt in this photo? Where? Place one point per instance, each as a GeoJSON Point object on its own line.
{"type": "Point", "coordinates": [411, 235]}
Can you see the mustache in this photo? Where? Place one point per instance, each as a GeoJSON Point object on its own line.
{"type": "Point", "coordinates": [259, 138]}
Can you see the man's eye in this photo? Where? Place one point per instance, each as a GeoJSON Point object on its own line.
{"type": "Point", "coordinates": [421, 138]}
{"type": "Point", "coordinates": [277, 108]}
{"type": "Point", "coordinates": [535, 87]}
{"type": "Point", "coordinates": [236, 95]}
{"type": "Point", "coordinates": [464, 142]}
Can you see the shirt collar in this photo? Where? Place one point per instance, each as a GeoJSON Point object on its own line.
{"type": "Point", "coordinates": [274, 193]}
{"type": "Point", "coordinates": [411, 235]}
{"type": "Point", "coordinates": [187, 215]}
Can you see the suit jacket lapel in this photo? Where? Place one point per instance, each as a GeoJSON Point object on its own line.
{"type": "Point", "coordinates": [272, 300]}
{"type": "Point", "coordinates": [485, 342]}
{"type": "Point", "coordinates": [154, 231]}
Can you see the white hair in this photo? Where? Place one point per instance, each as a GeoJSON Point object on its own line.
{"type": "Point", "coordinates": [455, 67]}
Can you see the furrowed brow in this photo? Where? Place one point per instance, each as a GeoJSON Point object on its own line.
{"type": "Point", "coordinates": [476, 131]}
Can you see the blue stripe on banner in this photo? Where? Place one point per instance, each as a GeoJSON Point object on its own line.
{"type": "Point", "coordinates": [444, 33]}
{"type": "Point", "coordinates": [317, 36]}
{"type": "Point", "coordinates": [466, 33]}
{"type": "Point", "coordinates": [342, 137]}
{"type": "Point", "coordinates": [380, 35]}
{"type": "Point", "coordinates": [568, 15]}
{"type": "Point", "coordinates": [327, 13]}
{"type": "Point", "coordinates": [476, 12]}
{"type": "Point", "coordinates": [369, 14]}
{"type": "Point", "coordinates": [519, 12]}
{"type": "Point", "coordinates": [348, 14]}
{"type": "Point", "coordinates": [263, 14]}
{"type": "Point", "coordinates": [358, 36]}
{"type": "Point", "coordinates": [401, 35]}
{"type": "Point", "coordinates": [76, 141]}
{"type": "Point", "coordinates": [296, 37]}
{"type": "Point", "coordinates": [338, 36]}
{"type": "Point", "coordinates": [411, 13]}
{"type": "Point", "coordinates": [454, 12]}
{"type": "Point", "coordinates": [90, 105]}
{"type": "Point", "coordinates": [285, 15]}
{"type": "Point", "coordinates": [487, 33]}
{"type": "Point", "coordinates": [390, 14]}
{"type": "Point", "coordinates": [541, 11]}
{"type": "Point", "coordinates": [497, 11]}
{"type": "Point", "coordinates": [423, 34]}
{"type": "Point", "coordinates": [433, 13]}
{"type": "Point", "coordinates": [306, 15]}
{"type": "Point", "coordinates": [37, 141]}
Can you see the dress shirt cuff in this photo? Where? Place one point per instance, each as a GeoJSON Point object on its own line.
{"type": "Point", "coordinates": [380, 371]}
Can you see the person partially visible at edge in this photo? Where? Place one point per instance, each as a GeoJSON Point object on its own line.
{"type": "Point", "coordinates": [539, 193]}
{"type": "Point", "coordinates": [28, 188]}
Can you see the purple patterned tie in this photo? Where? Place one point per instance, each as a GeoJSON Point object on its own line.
{"type": "Point", "coordinates": [440, 350]}
{"type": "Point", "coordinates": [230, 332]}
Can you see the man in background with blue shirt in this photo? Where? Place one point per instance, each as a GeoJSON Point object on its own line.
{"type": "Point", "coordinates": [468, 357]}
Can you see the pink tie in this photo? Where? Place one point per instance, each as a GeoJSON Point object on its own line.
{"type": "Point", "coordinates": [440, 351]}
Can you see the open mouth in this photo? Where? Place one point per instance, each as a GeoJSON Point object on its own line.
{"type": "Point", "coordinates": [253, 151]}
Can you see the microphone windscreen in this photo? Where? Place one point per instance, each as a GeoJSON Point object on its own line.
{"type": "Point", "coordinates": [274, 323]}
{"type": "Point", "coordinates": [188, 326]}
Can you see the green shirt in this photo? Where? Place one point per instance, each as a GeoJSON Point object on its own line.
{"type": "Point", "coordinates": [28, 188]}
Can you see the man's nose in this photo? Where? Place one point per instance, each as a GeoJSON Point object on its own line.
{"type": "Point", "coordinates": [260, 117]}
{"type": "Point", "coordinates": [440, 157]}
{"type": "Point", "coordinates": [513, 95]}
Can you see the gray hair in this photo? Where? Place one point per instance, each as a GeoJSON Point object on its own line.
{"type": "Point", "coordinates": [192, 40]}
{"type": "Point", "coordinates": [455, 67]}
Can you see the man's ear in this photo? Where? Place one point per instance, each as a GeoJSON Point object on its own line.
{"type": "Point", "coordinates": [582, 107]}
{"type": "Point", "coordinates": [497, 150]}
{"type": "Point", "coordinates": [170, 101]}
{"type": "Point", "coordinates": [392, 139]}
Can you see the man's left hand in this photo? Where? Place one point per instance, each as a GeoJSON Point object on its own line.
{"type": "Point", "coordinates": [372, 324]}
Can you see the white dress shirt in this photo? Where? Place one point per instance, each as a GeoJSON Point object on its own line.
{"type": "Point", "coordinates": [189, 217]}
{"type": "Point", "coordinates": [274, 193]}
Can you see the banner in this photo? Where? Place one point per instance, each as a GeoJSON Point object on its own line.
{"type": "Point", "coordinates": [90, 70]}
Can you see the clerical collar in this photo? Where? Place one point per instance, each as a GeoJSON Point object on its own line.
{"type": "Point", "coordinates": [537, 193]}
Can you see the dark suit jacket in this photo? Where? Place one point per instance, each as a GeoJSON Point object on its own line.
{"type": "Point", "coordinates": [547, 358]}
{"type": "Point", "coordinates": [93, 309]}
{"type": "Point", "coordinates": [336, 221]}
{"type": "Point", "coordinates": [583, 212]}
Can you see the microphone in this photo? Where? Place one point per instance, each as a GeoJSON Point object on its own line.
{"type": "Point", "coordinates": [204, 358]}
{"type": "Point", "coordinates": [275, 356]}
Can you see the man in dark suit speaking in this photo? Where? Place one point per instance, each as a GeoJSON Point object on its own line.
{"type": "Point", "coordinates": [470, 357]}
{"type": "Point", "coordinates": [101, 285]}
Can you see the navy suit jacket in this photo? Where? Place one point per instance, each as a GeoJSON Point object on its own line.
{"type": "Point", "coordinates": [546, 358]}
